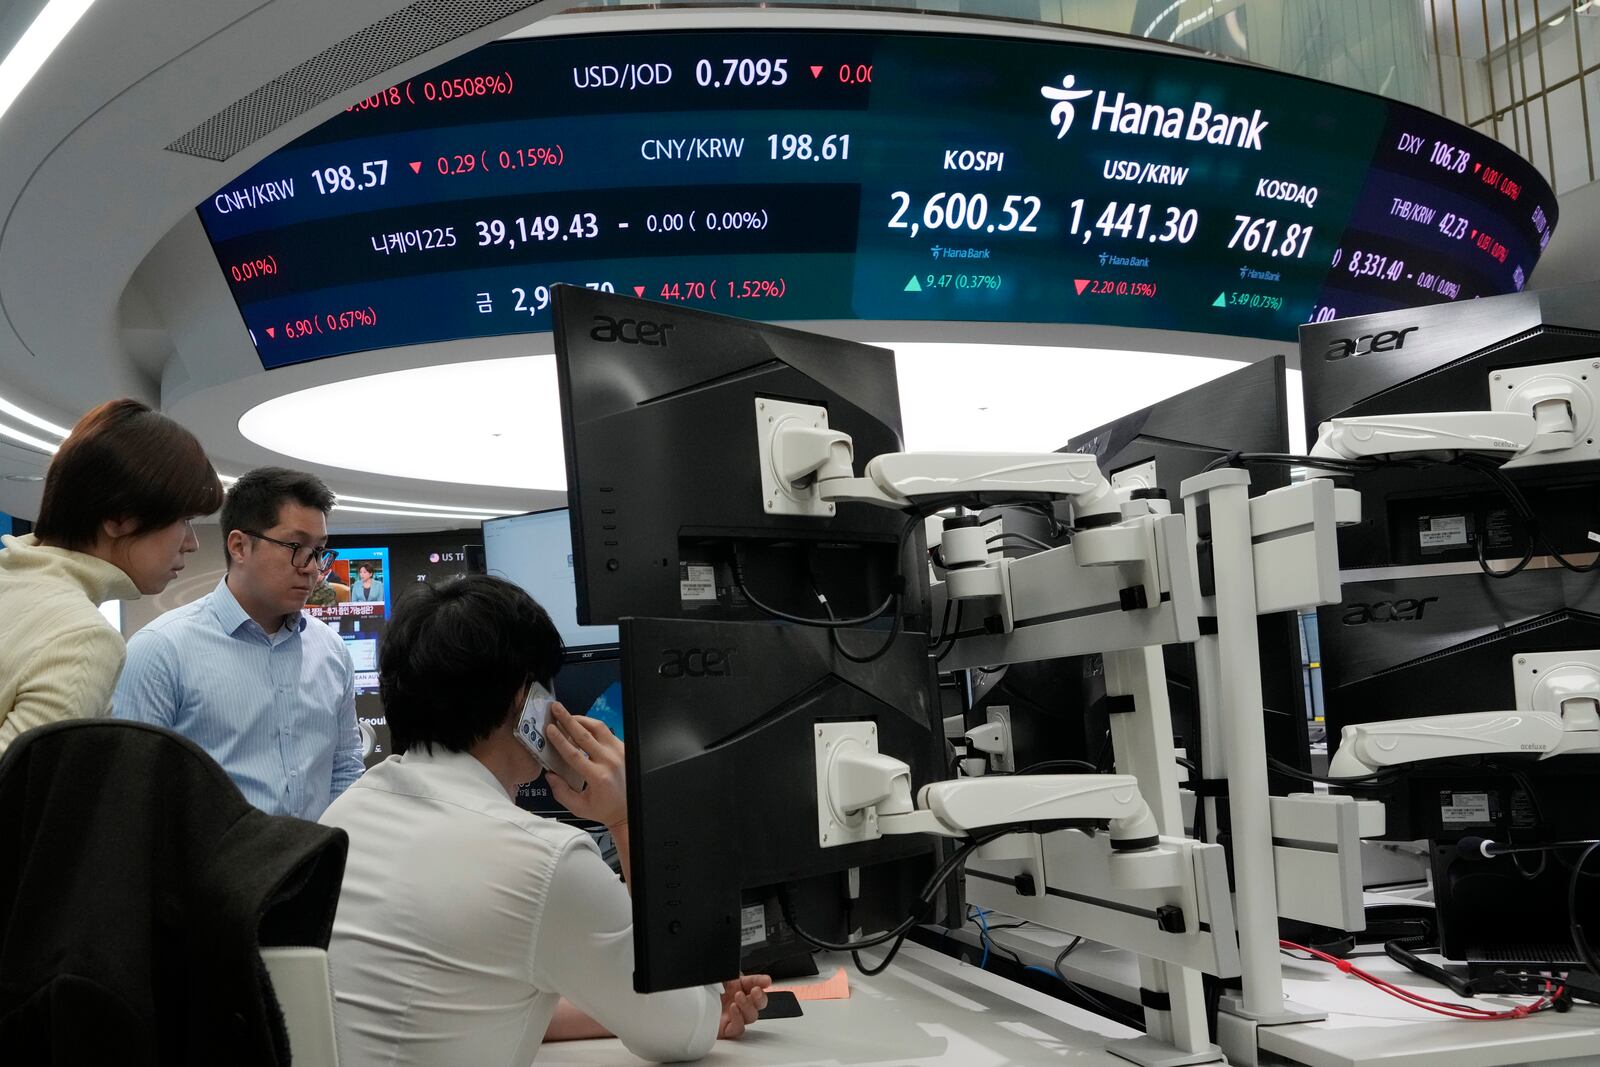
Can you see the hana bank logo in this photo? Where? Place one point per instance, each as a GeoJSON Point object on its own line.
{"type": "Point", "coordinates": [1063, 113]}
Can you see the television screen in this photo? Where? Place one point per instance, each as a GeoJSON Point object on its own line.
{"type": "Point", "coordinates": [364, 657]}
{"type": "Point", "coordinates": [355, 590]}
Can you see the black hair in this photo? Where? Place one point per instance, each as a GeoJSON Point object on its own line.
{"type": "Point", "coordinates": [454, 656]}
{"type": "Point", "coordinates": [124, 461]}
{"type": "Point", "coordinates": [254, 501]}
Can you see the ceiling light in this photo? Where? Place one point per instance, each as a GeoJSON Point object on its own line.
{"type": "Point", "coordinates": [461, 405]}
{"type": "Point", "coordinates": [35, 45]}
{"type": "Point", "coordinates": [424, 514]}
{"type": "Point", "coordinates": [491, 512]}
{"type": "Point", "coordinates": [24, 477]}
{"type": "Point", "coordinates": [498, 422]}
{"type": "Point", "coordinates": [344, 502]}
{"type": "Point", "coordinates": [47, 447]}
{"type": "Point", "coordinates": [972, 397]}
{"type": "Point", "coordinates": [23, 415]}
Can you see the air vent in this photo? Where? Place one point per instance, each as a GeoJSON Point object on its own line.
{"type": "Point", "coordinates": [384, 45]}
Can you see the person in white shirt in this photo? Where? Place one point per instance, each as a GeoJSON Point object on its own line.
{"type": "Point", "coordinates": [468, 930]}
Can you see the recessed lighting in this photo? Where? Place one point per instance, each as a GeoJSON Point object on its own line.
{"type": "Point", "coordinates": [24, 477]}
{"type": "Point", "coordinates": [1027, 399]}
{"type": "Point", "coordinates": [24, 415]}
{"type": "Point", "coordinates": [47, 447]}
{"type": "Point", "coordinates": [35, 46]}
{"type": "Point", "coordinates": [458, 402]}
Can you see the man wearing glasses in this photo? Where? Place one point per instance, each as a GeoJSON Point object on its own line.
{"type": "Point", "coordinates": [243, 672]}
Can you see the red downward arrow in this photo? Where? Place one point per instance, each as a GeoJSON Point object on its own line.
{"type": "Point", "coordinates": [272, 331]}
{"type": "Point", "coordinates": [1476, 167]}
{"type": "Point", "coordinates": [816, 72]}
{"type": "Point", "coordinates": [1081, 283]}
{"type": "Point", "coordinates": [638, 290]}
{"type": "Point", "coordinates": [1474, 233]}
{"type": "Point", "coordinates": [416, 168]}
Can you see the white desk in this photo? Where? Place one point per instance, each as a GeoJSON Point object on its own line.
{"type": "Point", "coordinates": [925, 1009]}
{"type": "Point", "coordinates": [1364, 1028]}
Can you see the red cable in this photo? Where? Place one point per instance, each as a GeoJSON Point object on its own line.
{"type": "Point", "coordinates": [1467, 1012]}
{"type": "Point", "coordinates": [1459, 1011]}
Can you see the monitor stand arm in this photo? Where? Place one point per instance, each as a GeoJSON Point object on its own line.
{"type": "Point", "coordinates": [1563, 717]}
{"type": "Point", "coordinates": [808, 468]}
{"type": "Point", "coordinates": [863, 794]}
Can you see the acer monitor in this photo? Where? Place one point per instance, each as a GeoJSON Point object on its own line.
{"type": "Point", "coordinates": [1410, 642]}
{"type": "Point", "coordinates": [1447, 358]}
{"type": "Point", "coordinates": [722, 812]}
{"type": "Point", "coordinates": [658, 407]}
{"type": "Point", "coordinates": [534, 551]}
{"type": "Point", "coordinates": [1059, 709]}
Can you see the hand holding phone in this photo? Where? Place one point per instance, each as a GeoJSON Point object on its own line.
{"type": "Point", "coordinates": [531, 729]}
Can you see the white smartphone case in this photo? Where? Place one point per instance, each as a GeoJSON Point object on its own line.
{"type": "Point", "coordinates": [531, 727]}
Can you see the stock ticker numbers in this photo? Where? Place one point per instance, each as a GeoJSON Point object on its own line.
{"type": "Point", "coordinates": [838, 174]}
{"type": "Point", "coordinates": [437, 90]}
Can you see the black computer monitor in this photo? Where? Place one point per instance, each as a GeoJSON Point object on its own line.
{"type": "Point", "coordinates": [1059, 708]}
{"type": "Point", "coordinates": [1411, 642]}
{"type": "Point", "coordinates": [722, 810]}
{"type": "Point", "coordinates": [658, 405]}
{"type": "Point", "coordinates": [1444, 359]}
{"type": "Point", "coordinates": [670, 534]}
{"type": "Point", "coordinates": [1417, 604]}
{"type": "Point", "coordinates": [1422, 631]}
{"type": "Point", "coordinates": [534, 551]}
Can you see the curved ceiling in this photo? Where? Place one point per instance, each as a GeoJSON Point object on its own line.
{"type": "Point", "coordinates": [108, 287]}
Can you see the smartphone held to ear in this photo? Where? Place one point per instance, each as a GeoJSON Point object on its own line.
{"type": "Point", "coordinates": [531, 730]}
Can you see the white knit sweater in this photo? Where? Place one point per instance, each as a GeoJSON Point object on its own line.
{"type": "Point", "coordinates": [59, 657]}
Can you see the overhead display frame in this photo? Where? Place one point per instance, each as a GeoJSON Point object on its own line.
{"type": "Point", "coordinates": [790, 174]}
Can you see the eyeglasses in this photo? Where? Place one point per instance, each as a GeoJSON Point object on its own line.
{"type": "Point", "coordinates": [300, 556]}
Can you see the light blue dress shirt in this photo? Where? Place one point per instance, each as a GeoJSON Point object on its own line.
{"type": "Point", "coordinates": [277, 711]}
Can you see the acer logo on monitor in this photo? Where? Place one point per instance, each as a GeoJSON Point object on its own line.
{"type": "Point", "coordinates": [1387, 341]}
{"type": "Point", "coordinates": [630, 331]}
{"type": "Point", "coordinates": [696, 663]}
{"type": "Point", "coordinates": [1409, 609]}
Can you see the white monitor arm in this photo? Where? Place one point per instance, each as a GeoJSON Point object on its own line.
{"type": "Point", "coordinates": [1530, 423]}
{"type": "Point", "coordinates": [1375, 436]}
{"type": "Point", "coordinates": [908, 479]}
{"type": "Point", "coordinates": [808, 467]}
{"type": "Point", "coordinates": [1560, 695]}
{"type": "Point", "coordinates": [863, 794]}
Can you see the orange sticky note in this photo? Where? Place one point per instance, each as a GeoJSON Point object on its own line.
{"type": "Point", "coordinates": [834, 988]}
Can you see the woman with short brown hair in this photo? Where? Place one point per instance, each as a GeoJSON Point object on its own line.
{"type": "Point", "coordinates": [114, 524]}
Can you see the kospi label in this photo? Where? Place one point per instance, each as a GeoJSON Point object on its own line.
{"type": "Point", "coordinates": [1198, 122]}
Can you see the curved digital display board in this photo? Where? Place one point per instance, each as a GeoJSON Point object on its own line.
{"type": "Point", "coordinates": [847, 174]}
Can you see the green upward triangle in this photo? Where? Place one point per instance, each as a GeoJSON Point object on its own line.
{"type": "Point", "coordinates": [913, 286]}
{"type": "Point", "coordinates": [1221, 301]}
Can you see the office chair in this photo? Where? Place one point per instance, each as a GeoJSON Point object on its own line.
{"type": "Point", "coordinates": [304, 988]}
{"type": "Point", "coordinates": [137, 889]}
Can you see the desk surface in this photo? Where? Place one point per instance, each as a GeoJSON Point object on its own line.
{"type": "Point", "coordinates": [1364, 1028]}
{"type": "Point", "coordinates": [925, 1009]}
